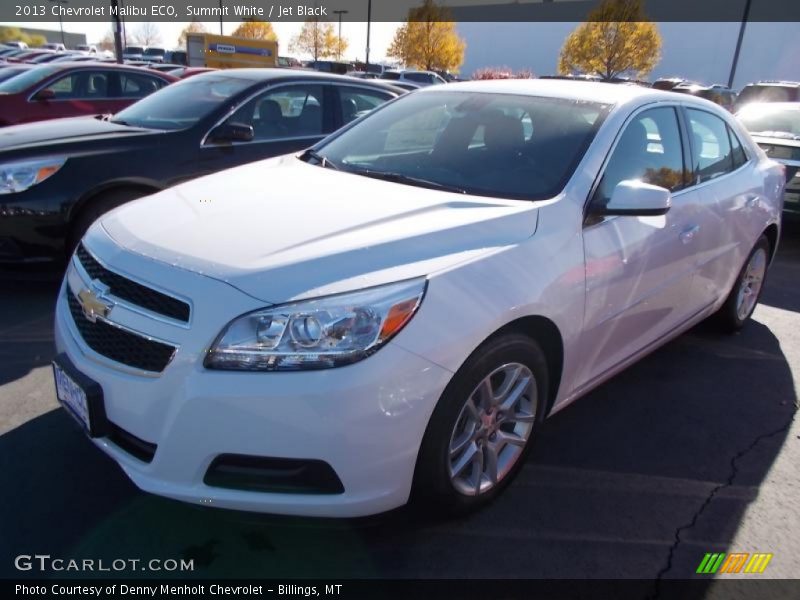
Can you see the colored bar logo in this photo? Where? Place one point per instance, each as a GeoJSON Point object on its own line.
{"type": "Point", "coordinates": [736, 562]}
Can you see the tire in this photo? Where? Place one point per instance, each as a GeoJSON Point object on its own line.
{"type": "Point", "coordinates": [439, 483]}
{"type": "Point", "coordinates": [746, 291]}
{"type": "Point", "coordinates": [97, 207]}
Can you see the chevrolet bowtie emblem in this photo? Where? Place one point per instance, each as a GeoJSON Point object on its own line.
{"type": "Point", "coordinates": [93, 301]}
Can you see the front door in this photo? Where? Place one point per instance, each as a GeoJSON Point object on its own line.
{"type": "Point", "coordinates": [639, 270]}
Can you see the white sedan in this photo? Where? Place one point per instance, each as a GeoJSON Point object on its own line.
{"type": "Point", "coordinates": [392, 314]}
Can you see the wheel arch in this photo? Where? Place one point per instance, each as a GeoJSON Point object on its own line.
{"type": "Point", "coordinates": [147, 186]}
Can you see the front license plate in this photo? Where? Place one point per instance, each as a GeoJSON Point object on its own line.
{"type": "Point", "coordinates": [80, 395]}
{"type": "Point", "coordinates": [72, 396]}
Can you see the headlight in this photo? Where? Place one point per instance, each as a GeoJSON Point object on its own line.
{"type": "Point", "coordinates": [317, 334]}
{"type": "Point", "coordinates": [19, 176]}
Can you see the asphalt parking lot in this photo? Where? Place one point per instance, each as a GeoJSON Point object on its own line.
{"type": "Point", "coordinates": [696, 449]}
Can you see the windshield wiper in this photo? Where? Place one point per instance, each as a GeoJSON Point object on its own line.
{"type": "Point", "coordinates": [324, 162]}
{"type": "Point", "coordinates": [408, 180]}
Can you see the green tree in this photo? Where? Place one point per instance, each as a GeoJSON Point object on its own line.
{"type": "Point", "coordinates": [15, 34]}
{"type": "Point", "coordinates": [317, 39]}
{"type": "Point", "coordinates": [256, 30]}
{"type": "Point", "coordinates": [616, 39]}
{"type": "Point", "coordinates": [428, 40]}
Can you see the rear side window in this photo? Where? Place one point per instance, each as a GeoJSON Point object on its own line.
{"type": "Point", "coordinates": [649, 150]}
{"type": "Point", "coordinates": [357, 102]}
{"type": "Point", "coordinates": [737, 151]}
{"type": "Point", "coordinates": [83, 85]}
{"type": "Point", "coordinates": [136, 85]}
{"type": "Point", "coordinates": [713, 155]}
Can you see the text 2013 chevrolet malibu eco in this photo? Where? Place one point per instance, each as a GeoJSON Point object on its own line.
{"type": "Point", "coordinates": [392, 314]}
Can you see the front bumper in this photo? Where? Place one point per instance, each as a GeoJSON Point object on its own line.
{"type": "Point", "coordinates": [364, 420]}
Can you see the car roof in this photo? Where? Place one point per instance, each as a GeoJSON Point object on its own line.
{"type": "Point", "coordinates": [589, 91]}
{"type": "Point", "coordinates": [269, 74]}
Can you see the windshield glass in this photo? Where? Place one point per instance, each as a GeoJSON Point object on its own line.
{"type": "Point", "coordinates": [183, 104]}
{"type": "Point", "coordinates": [134, 50]}
{"type": "Point", "coordinates": [766, 119]}
{"type": "Point", "coordinates": [154, 52]}
{"type": "Point", "coordinates": [27, 79]}
{"type": "Point", "coordinates": [499, 145]}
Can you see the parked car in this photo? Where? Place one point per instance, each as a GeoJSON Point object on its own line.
{"type": "Point", "coordinates": [719, 94]}
{"type": "Point", "coordinates": [72, 89]}
{"type": "Point", "coordinates": [86, 48]}
{"type": "Point", "coordinates": [769, 91]}
{"type": "Point", "coordinates": [54, 56]}
{"type": "Point", "coordinates": [28, 55]}
{"type": "Point", "coordinates": [12, 71]}
{"type": "Point", "coordinates": [17, 44]}
{"type": "Point", "coordinates": [775, 126]}
{"type": "Point", "coordinates": [163, 67]}
{"type": "Point", "coordinates": [329, 66]}
{"type": "Point", "coordinates": [133, 53]}
{"type": "Point", "coordinates": [201, 125]}
{"type": "Point", "coordinates": [418, 77]}
{"type": "Point", "coordinates": [54, 47]}
{"type": "Point", "coordinates": [185, 72]}
{"type": "Point", "coordinates": [393, 313]}
{"type": "Point", "coordinates": [153, 54]}
{"type": "Point", "coordinates": [668, 83]}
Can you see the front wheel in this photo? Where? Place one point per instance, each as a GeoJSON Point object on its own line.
{"type": "Point", "coordinates": [744, 296]}
{"type": "Point", "coordinates": [483, 426]}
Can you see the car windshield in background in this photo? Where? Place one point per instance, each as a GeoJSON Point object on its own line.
{"type": "Point", "coordinates": [499, 145]}
{"type": "Point", "coordinates": [183, 104]}
{"type": "Point", "coordinates": [772, 121]}
{"type": "Point", "coordinates": [25, 80]}
{"type": "Point", "coordinates": [134, 50]}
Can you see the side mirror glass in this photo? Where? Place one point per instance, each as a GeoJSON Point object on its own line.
{"type": "Point", "coordinates": [232, 132]}
{"type": "Point", "coordinates": [633, 198]}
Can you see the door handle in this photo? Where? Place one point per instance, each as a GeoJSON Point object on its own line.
{"type": "Point", "coordinates": [688, 234]}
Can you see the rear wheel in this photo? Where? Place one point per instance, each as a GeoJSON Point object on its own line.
{"type": "Point", "coordinates": [744, 296]}
{"type": "Point", "coordinates": [98, 206]}
{"type": "Point", "coordinates": [483, 426]}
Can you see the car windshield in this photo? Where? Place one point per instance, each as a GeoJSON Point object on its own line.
{"type": "Point", "coordinates": [25, 80]}
{"type": "Point", "coordinates": [183, 104]}
{"type": "Point", "coordinates": [10, 72]}
{"type": "Point", "coordinates": [498, 145]}
{"type": "Point", "coordinates": [134, 50]}
{"type": "Point", "coordinates": [154, 52]}
{"type": "Point", "coordinates": [771, 121]}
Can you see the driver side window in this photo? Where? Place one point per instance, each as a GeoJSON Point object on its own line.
{"type": "Point", "coordinates": [649, 150]}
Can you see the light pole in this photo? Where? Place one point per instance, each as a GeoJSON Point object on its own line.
{"type": "Point", "coordinates": [339, 47]}
{"type": "Point", "coordinates": [220, 18]}
{"type": "Point", "coordinates": [117, 31]}
{"type": "Point", "coordinates": [739, 44]}
{"type": "Point", "coordinates": [369, 19]}
{"type": "Point", "coordinates": [60, 20]}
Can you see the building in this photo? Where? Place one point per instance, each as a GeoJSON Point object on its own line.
{"type": "Point", "coordinates": [54, 35]}
{"type": "Point", "coordinates": [700, 51]}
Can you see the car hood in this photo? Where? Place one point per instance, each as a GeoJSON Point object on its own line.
{"type": "Point", "coordinates": [57, 131]}
{"type": "Point", "coordinates": [282, 229]}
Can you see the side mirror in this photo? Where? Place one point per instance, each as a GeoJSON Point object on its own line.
{"type": "Point", "coordinates": [232, 132]}
{"type": "Point", "coordinates": [44, 95]}
{"type": "Point", "coordinates": [633, 198]}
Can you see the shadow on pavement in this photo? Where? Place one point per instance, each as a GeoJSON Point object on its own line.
{"type": "Point", "coordinates": [26, 327]}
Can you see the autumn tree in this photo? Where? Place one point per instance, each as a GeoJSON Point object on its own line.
{"type": "Point", "coordinates": [15, 34]}
{"type": "Point", "coordinates": [256, 30]}
{"type": "Point", "coordinates": [428, 40]}
{"type": "Point", "coordinates": [193, 27]}
{"type": "Point", "coordinates": [616, 39]}
{"type": "Point", "coordinates": [106, 42]}
{"type": "Point", "coordinates": [317, 39]}
{"type": "Point", "coordinates": [147, 34]}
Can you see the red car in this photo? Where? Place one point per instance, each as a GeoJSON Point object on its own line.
{"type": "Point", "coordinates": [74, 89]}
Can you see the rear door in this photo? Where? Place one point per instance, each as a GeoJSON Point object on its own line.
{"type": "Point", "coordinates": [639, 270]}
{"type": "Point", "coordinates": [285, 118]}
{"type": "Point", "coordinates": [81, 92]}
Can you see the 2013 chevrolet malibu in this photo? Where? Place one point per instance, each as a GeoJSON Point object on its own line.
{"type": "Point", "coordinates": [393, 313]}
